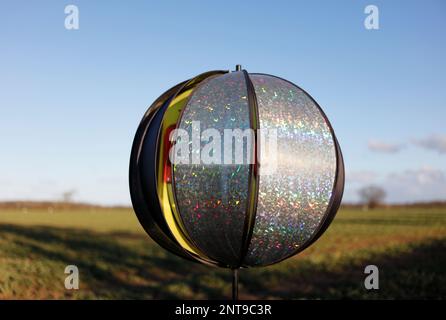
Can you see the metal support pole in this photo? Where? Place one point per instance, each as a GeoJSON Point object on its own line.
{"type": "Point", "coordinates": [234, 284]}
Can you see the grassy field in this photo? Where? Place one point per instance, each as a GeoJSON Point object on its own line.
{"type": "Point", "coordinates": [117, 259]}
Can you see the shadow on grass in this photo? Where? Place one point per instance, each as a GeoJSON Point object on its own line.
{"type": "Point", "coordinates": [128, 266]}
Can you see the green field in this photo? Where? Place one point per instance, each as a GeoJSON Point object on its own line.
{"type": "Point", "coordinates": [117, 259]}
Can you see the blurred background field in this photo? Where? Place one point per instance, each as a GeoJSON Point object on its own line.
{"type": "Point", "coordinates": [116, 259]}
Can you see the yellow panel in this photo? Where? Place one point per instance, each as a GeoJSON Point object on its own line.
{"type": "Point", "coordinates": [164, 188]}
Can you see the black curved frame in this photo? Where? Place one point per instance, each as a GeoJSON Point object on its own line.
{"type": "Point", "coordinates": [139, 198]}
{"type": "Point", "coordinates": [253, 189]}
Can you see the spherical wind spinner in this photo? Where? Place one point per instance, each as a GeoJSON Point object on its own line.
{"type": "Point", "coordinates": [235, 169]}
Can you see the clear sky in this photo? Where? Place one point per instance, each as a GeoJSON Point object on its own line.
{"type": "Point", "coordinates": [71, 100]}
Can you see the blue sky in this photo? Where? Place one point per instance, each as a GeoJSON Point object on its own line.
{"type": "Point", "coordinates": [71, 100]}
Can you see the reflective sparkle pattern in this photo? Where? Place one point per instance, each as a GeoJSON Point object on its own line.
{"type": "Point", "coordinates": [212, 198]}
{"type": "Point", "coordinates": [293, 200]}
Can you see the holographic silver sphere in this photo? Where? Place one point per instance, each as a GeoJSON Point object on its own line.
{"type": "Point", "coordinates": [238, 213]}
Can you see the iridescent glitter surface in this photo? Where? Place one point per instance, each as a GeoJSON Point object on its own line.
{"type": "Point", "coordinates": [212, 198]}
{"type": "Point", "coordinates": [293, 200]}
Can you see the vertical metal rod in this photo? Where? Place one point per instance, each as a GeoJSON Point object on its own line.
{"type": "Point", "coordinates": [234, 284]}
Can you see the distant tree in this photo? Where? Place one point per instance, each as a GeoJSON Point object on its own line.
{"type": "Point", "coordinates": [68, 195]}
{"type": "Point", "coordinates": [372, 196]}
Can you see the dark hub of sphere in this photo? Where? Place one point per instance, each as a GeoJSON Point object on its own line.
{"type": "Point", "coordinates": [241, 213]}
